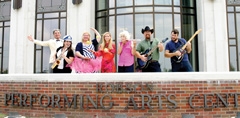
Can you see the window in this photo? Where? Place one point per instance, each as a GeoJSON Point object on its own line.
{"type": "Point", "coordinates": [233, 17]}
{"type": "Point", "coordinates": [50, 15]}
{"type": "Point", "coordinates": [161, 15]}
{"type": "Point", "coordinates": [5, 11]}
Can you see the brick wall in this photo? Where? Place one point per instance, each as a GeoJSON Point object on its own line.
{"type": "Point", "coordinates": [154, 99]}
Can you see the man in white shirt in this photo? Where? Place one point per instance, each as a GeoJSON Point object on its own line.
{"type": "Point", "coordinates": [53, 44]}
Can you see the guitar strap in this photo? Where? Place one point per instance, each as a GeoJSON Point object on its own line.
{"type": "Point", "coordinates": [150, 44]}
{"type": "Point", "coordinates": [182, 43]}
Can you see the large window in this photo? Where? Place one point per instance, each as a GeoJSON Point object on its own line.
{"type": "Point", "coordinates": [161, 15]}
{"type": "Point", "coordinates": [5, 11]}
{"type": "Point", "coordinates": [50, 15]}
{"type": "Point", "coordinates": [233, 15]}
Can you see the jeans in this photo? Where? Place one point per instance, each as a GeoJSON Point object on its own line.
{"type": "Point", "coordinates": [122, 69]}
{"type": "Point", "coordinates": [183, 66]}
{"type": "Point", "coordinates": [152, 67]}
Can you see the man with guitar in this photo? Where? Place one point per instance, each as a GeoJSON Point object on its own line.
{"type": "Point", "coordinates": [177, 49]}
{"type": "Point", "coordinates": [144, 47]}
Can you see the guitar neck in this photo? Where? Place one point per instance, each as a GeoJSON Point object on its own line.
{"type": "Point", "coordinates": [153, 49]}
{"type": "Point", "coordinates": [197, 32]}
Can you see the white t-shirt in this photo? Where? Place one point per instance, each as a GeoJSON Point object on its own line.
{"type": "Point", "coordinates": [60, 66]}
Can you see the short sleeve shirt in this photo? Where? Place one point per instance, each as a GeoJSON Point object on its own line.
{"type": "Point", "coordinates": [172, 47]}
{"type": "Point", "coordinates": [146, 44]}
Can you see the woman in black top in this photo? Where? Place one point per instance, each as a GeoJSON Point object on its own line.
{"type": "Point", "coordinates": [64, 56]}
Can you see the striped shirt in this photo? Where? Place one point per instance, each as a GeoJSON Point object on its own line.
{"type": "Point", "coordinates": [86, 51]}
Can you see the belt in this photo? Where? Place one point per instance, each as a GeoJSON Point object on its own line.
{"type": "Point", "coordinates": [153, 61]}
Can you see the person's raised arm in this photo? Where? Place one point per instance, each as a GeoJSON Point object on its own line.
{"type": "Point", "coordinates": [42, 43]}
{"type": "Point", "coordinates": [98, 36]}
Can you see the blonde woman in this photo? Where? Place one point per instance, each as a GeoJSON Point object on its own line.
{"type": "Point", "coordinates": [107, 51]}
{"type": "Point", "coordinates": [85, 61]}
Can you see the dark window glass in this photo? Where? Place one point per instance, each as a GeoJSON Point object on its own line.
{"type": "Point", "coordinates": [233, 62]}
{"type": "Point", "coordinates": [233, 18]}
{"type": "Point", "coordinates": [233, 2]}
{"type": "Point", "coordinates": [51, 5]}
{"type": "Point", "coordinates": [102, 4]}
{"type": "Point", "coordinates": [5, 12]}
{"type": "Point", "coordinates": [6, 49]}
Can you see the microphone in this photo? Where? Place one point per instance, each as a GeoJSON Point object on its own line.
{"type": "Point", "coordinates": [164, 40]}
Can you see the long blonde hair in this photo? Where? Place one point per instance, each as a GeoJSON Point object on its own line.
{"type": "Point", "coordinates": [104, 41]}
{"type": "Point", "coordinates": [90, 41]}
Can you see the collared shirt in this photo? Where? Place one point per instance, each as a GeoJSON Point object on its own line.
{"type": "Point", "coordinates": [59, 43]}
{"type": "Point", "coordinates": [126, 58]}
{"type": "Point", "coordinates": [52, 44]}
{"type": "Point", "coordinates": [146, 44]}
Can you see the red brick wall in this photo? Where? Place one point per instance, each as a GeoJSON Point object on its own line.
{"type": "Point", "coordinates": [179, 91]}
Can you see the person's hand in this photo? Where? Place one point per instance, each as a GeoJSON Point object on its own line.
{"type": "Point", "coordinates": [92, 51]}
{"type": "Point", "coordinates": [105, 50]}
{"type": "Point", "coordinates": [92, 28]}
{"type": "Point", "coordinates": [188, 44]}
{"type": "Point", "coordinates": [134, 41]}
{"type": "Point", "coordinates": [86, 58]}
{"type": "Point", "coordinates": [160, 45]}
{"type": "Point", "coordinates": [30, 38]}
{"type": "Point", "coordinates": [177, 53]}
{"type": "Point", "coordinates": [143, 58]}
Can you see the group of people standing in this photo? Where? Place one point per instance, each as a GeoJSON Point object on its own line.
{"type": "Point", "coordinates": [92, 57]}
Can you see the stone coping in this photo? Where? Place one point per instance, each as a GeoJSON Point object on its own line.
{"type": "Point", "coordinates": [123, 77]}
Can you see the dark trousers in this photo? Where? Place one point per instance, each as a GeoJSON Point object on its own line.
{"type": "Point", "coordinates": [122, 69]}
{"type": "Point", "coordinates": [183, 66]}
{"type": "Point", "coordinates": [152, 67]}
{"type": "Point", "coordinates": [64, 70]}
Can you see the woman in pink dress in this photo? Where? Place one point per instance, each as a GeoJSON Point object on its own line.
{"type": "Point", "coordinates": [85, 61]}
{"type": "Point", "coordinates": [107, 51]}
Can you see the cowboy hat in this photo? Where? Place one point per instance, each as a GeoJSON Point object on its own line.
{"type": "Point", "coordinates": [147, 29]}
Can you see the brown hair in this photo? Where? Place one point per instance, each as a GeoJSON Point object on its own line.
{"type": "Point", "coordinates": [69, 48]}
{"type": "Point", "coordinates": [175, 31]}
{"type": "Point", "coordinates": [56, 30]}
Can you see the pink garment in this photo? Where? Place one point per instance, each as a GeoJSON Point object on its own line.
{"type": "Point", "coordinates": [126, 58]}
{"type": "Point", "coordinates": [86, 66]}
